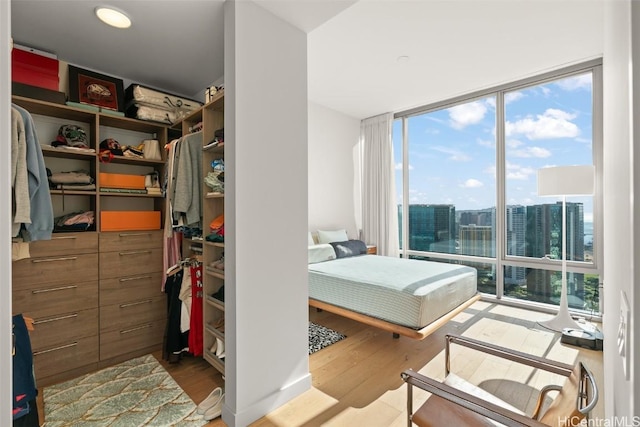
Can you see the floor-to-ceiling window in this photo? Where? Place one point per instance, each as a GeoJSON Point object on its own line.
{"type": "Point", "coordinates": [466, 174]}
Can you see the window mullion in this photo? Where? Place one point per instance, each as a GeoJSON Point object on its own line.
{"type": "Point", "coordinates": [500, 228]}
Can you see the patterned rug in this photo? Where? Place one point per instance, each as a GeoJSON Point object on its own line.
{"type": "Point", "coordinates": [321, 337]}
{"type": "Point", "coordinates": [138, 392]}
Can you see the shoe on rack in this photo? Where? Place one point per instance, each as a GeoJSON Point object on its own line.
{"type": "Point", "coordinates": [210, 401]}
{"type": "Point", "coordinates": [215, 411]}
{"type": "Point", "coordinates": [214, 347]}
{"type": "Point", "coordinates": [220, 348]}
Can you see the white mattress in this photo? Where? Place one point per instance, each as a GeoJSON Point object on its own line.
{"type": "Point", "coordinates": [406, 292]}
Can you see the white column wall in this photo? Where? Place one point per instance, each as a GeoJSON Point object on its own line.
{"type": "Point", "coordinates": [266, 292]}
{"type": "Point", "coordinates": [5, 215]}
{"type": "Point", "coordinates": [618, 192]}
{"type": "Point", "coordinates": [334, 171]}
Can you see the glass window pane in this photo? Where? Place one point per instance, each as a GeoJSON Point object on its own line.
{"type": "Point", "coordinates": [396, 138]}
{"type": "Point", "coordinates": [547, 125]}
{"type": "Point", "coordinates": [486, 272]}
{"type": "Point", "coordinates": [451, 206]}
{"type": "Point", "coordinates": [545, 286]}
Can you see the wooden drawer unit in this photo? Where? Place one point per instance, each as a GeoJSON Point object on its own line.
{"type": "Point", "coordinates": [127, 240]}
{"type": "Point", "coordinates": [33, 272]}
{"type": "Point", "coordinates": [63, 328]}
{"type": "Point", "coordinates": [64, 244]}
{"type": "Point", "coordinates": [122, 316]}
{"type": "Point", "coordinates": [65, 356]}
{"type": "Point", "coordinates": [131, 338]}
{"type": "Point", "coordinates": [130, 288]}
{"type": "Point", "coordinates": [49, 300]}
{"type": "Point", "coordinates": [129, 262]}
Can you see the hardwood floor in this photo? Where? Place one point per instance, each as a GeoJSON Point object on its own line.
{"type": "Point", "coordinates": [357, 382]}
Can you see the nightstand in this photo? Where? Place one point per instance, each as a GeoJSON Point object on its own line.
{"type": "Point", "coordinates": [372, 250]}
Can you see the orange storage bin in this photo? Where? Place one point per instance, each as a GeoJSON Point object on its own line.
{"type": "Point", "coordinates": [129, 220]}
{"type": "Point", "coordinates": [117, 180]}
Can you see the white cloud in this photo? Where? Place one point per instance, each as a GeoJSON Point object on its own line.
{"type": "Point", "coordinates": [512, 96]}
{"type": "Point", "coordinates": [515, 171]}
{"type": "Point", "coordinates": [514, 143]}
{"type": "Point", "coordinates": [486, 143]}
{"type": "Point", "coordinates": [463, 115]}
{"type": "Point", "coordinates": [582, 81]}
{"type": "Point", "coordinates": [455, 155]}
{"type": "Point", "coordinates": [553, 123]}
{"type": "Point", "coordinates": [538, 152]}
{"type": "Point", "coordinates": [399, 166]}
{"type": "Point", "coordinates": [545, 91]}
{"type": "Point", "coordinates": [472, 183]}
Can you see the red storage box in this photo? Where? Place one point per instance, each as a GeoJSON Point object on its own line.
{"type": "Point", "coordinates": [33, 69]}
{"type": "Point", "coordinates": [129, 220]}
{"type": "Point", "coordinates": [118, 180]}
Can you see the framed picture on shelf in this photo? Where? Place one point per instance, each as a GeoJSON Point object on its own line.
{"type": "Point", "coordinates": [89, 87]}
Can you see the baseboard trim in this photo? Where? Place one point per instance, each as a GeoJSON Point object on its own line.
{"type": "Point", "coordinates": [267, 404]}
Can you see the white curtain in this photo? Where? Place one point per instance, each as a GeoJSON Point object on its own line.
{"type": "Point", "coordinates": [379, 208]}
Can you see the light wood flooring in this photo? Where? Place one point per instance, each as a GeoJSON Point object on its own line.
{"type": "Point", "coordinates": [356, 382]}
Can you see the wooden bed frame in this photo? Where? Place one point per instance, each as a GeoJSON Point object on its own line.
{"type": "Point", "coordinates": [417, 334]}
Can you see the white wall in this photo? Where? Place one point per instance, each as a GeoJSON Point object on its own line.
{"type": "Point", "coordinates": [266, 292]}
{"type": "Point", "coordinates": [618, 194]}
{"type": "Point", "coordinates": [5, 215]}
{"type": "Point", "coordinates": [334, 201]}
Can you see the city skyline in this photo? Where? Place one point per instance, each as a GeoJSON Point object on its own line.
{"type": "Point", "coordinates": [452, 151]}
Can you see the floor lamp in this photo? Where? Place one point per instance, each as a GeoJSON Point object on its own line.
{"type": "Point", "coordinates": [564, 181]}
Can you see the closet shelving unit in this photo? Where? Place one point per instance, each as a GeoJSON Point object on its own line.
{"type": "Point", "coordinates": [95, 296]}
{"type": "Point", "coordinates": [212, 117]}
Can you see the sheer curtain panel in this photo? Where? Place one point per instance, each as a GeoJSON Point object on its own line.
{"type": "Point", "coordinates": [379, 209]}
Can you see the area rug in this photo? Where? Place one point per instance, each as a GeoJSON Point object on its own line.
{"type": "Point", "coordinates": [321, 337]}
{"type": "Point", "coordinates": [138, 392]}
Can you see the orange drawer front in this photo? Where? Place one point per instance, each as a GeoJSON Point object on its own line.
{"type": "Point", "coordinates": [129, 220]}
{"type": "Point", "coordinates": [117, 180]}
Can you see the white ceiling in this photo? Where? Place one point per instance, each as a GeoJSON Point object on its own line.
{"type": "Point", "coordinates": [454, 46]}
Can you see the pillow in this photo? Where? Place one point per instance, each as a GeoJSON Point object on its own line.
{"type": "Point", "coordinates": [349, 248]}
{"type": "Point", "coordinates": [332, 236]}
{"type": "Point", "coordinates": [311, 242]}
{"type": "Point", "coordinates": [320, 253]}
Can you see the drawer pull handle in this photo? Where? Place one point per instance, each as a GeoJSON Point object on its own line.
{"type": "Point", "coordinates": [133, 253]}
{"type": "Point", "coordinates": [134, 234]}
{"type": "Point", "coordinates": [61, 288]}
{"type": "Point", "coordinates": [55, 319]}
{"type": "Point", "coordinates": [62, 347]}
{"type": "Point", "coordinates": [131, 304]}
{"type": "Point", "coordinates": [128, 279]}
{"type": "Point", "coordinates": [64, 258]}
{"type": "Point", "coordinates": [126, 331]}
{"type": "Point", "coordinates": [63, 237]}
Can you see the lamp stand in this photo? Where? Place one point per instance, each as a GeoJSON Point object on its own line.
{"type": "Point", "coordinates": [563, 318]}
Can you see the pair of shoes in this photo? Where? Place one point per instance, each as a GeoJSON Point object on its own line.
{"type": "Point", "coordinates": [210, 401]}
{"type": "Point", "coordinates": [215, 411]}
{"type": "Point", "coordinates": [218, 348]}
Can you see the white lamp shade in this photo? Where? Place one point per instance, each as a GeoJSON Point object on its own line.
{"type": "Point", "coordinates": [566, 180]}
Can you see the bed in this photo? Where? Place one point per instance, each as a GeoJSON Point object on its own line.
{"type": "Point", "coordinates": [408, 297]}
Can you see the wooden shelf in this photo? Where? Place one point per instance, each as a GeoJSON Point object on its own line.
{"type": "Point", "coordinates": [49, 151]}
{"type": "Point", "coordinates": [214, 244]}
{"type": "Point", "coordinates": [215, 302]}
{"type": "Point", "coordinates": [107, 193]}
{"type": "Point", "coordinates": [73, 192]}
{"type": "Point", "coordinates": [214, 196]}
{"type": "Point", "coordinates": [213, 359]}
{"type": "Point", "coordinates": [213, 331]}
{"type": "Point", "coordinates": [215, 274]}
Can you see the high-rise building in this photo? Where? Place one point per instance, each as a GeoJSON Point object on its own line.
{"type": "Point", "coordinates": [432, 228]}
{"type": "Point", "coordinates": [476, 240]}
{"type": "Point", "coordinates": [516, 225]}
{"type": "Point", "coordinates": [544, 238]}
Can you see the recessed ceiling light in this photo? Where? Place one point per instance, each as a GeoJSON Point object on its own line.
{"type": "Point", "coordinates": [403, 59]}
{"type": "Point", "coordinates": [113, 17]}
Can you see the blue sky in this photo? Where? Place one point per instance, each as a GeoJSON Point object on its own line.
{"type": "Point", "coordinates": [452, 152]}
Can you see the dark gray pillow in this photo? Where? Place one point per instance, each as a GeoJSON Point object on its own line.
{"type": "Point", "coordinates": [349, 248]}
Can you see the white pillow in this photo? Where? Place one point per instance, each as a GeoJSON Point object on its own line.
{"type": "Point", "coordinates": [332, 236]}
{"type": "Point", "coordinates": [321, 253]}
{"type": "Point", "coordinates": [311, 242]}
